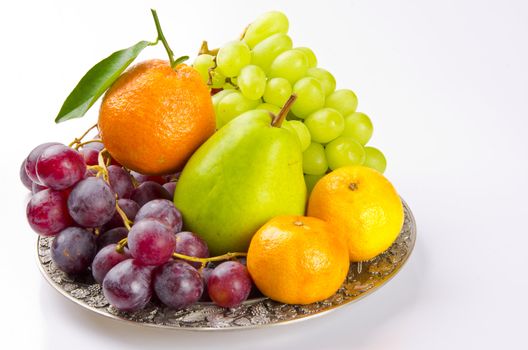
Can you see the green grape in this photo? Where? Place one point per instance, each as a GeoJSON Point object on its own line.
{"type": "Point", "coordinates": [232, 57]}
{"type": "Point", "coordinates": [231, 106]}
{"type": "Point", "coordinates": [252, 82]}
{"type": "Point", "coordinates": [344, 151]}
{"type": "Point", "coordinates": [375, 159]}
{"type": "Point", "coordinates": [325, 125]}
{"type": "Point", "coordinates": [291, 65]}
{"type": "Point", "coordinates": [314, 160]}
{"type": "Point", "coordinates": [310, 97]}
{"type": "Point", "coordinates": [326, 79]}
{"type": "Point", "coordinates": [217, 97]}
{"type": "Point", "coordinates": [269, 107]}
{"type": "Point", "coordinates": [265, 25]}
{"type": "Point", "coordinates": [300, 131]}
{"type": "Point", "coordinates": [202, 64]}
{"type": "Point", "coordinates": [359, 127]}
{"type": "Point", "coordinates": [312, 60]}
{"type": "Point", "coordinates": [228, 86]}
{"type": "Point", "coordinates": [268, 49]}
{"type": "Point", "coordinates": [278, 91]}
{"type": "Point", "coordinates": [311, 181]}
{"type": "Point", "coordinates": [218, 80]}
{"type": "Point", "coordinates": [344, 101]}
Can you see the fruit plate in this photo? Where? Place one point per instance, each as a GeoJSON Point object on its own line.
{"type": "Point", "coordinates": [363, 279]}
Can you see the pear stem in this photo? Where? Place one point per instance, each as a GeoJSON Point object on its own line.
{"type": "Point", "coordinates": [279, 118]}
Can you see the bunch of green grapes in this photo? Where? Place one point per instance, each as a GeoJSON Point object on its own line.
{"type": "Point", "coordinates": [263, 69]}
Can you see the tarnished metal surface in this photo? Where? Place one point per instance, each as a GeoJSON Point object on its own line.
{"type": "Point", "coordinates": [362, 279]}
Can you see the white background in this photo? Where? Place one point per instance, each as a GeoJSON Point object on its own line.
{"type": "Point", "coordinates": [446, 85]}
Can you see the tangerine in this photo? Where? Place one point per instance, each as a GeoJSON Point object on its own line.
{"type": "Point", "coordinates": [362, 202]}
{"type": "Point", "coordinates": [298, 259]}
{"type": "Point", "coordinates": [154, 117]}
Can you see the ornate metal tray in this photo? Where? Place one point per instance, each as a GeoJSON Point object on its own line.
{"type": "Point", "coordinates": [363, 279]}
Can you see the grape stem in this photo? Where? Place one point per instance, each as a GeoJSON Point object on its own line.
{"type": "Point", "coordinates": [279, 118]}
{"type": "Point", "coordinates": [81, 144]}
{"type": "Point", "coordinates": [103, 167]}
{"type": "Point", "coordinates": [161, 37]}
{"type": "Point", "coordinates": [78, 140]}
{"type": "Point", "coordinates": [122, 243]}
{"type": "Point", "coordinates": [204, 49]}
{"type": "Point", "coordinates": [126, 221]}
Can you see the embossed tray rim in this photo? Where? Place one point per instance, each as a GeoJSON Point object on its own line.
{"type": "Point", "coordinates": [103, 312]}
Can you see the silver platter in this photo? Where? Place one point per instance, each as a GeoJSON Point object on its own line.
{"type": "Point", "coordinates": [363, 279]}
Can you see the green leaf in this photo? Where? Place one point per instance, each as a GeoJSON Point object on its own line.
{"type": "Point", "coordinates": [97, 80]}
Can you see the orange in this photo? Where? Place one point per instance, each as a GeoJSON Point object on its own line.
{"type": "Point", "coordinates": [154, 117]}
{"type": "Point", "coordinates": [297, 259]}
{"type": "Point", "coordinates": [363, 203]}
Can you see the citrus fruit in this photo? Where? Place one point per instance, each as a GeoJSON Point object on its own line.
{"type": "Point", "coordinates": [363, 203]}
{"type": "Point", "coordinates": [298, 259]}
{"type": "Point", "coordinates": [154, 117]}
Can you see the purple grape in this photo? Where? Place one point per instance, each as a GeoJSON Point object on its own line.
{"type": "Point", "coordinates": [129, 207]}
{"type": "Point", "coordinates": [163, 211]}
{"type": "Point", "coordinates": [120, 181]}
{"type": "Point", "coordinates": [98, 146]}
{"type": "Point", "coordinates": [148, 191]}
{"type": "Point", "coordinates": [150, 242]}
{"type": "Point", "coordinates": [92, 202]}
{"type": "Point", "coordinates": [127, 286]}
{"type": "Point", "coordinates": [229, 284]}
{"type": "Point", "coordinates": [190, 244]}
{"type": "Point", "coordinates": [47, 212]}
{"type": "Point", "coordinates": [140, 178]}
{"type": "Point", "coordinates": [90, 155]}
{"type": "Point", "coordinates": [73, 250]}
{"type": "Point", "coordinates": [111, 236]}
{"type": "Point", "coordinates": [60, 167]}
{"type": "Point", "coordinates": [205, 273]}
{"type": "Point", "coordinates": [24, 178]}
{"type": "Point", "coordinates": [105, 259]}
{"type": "Point", "coordinates": [31, 160]}
{"type": "Point", "coordinates": [170, 187]}
{"type": "Point", "coordinates": [177, 284]}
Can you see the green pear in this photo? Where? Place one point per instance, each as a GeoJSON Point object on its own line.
{"type": "Point", "coordinates": [248, 172]}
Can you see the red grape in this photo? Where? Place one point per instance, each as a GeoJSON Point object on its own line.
{"type": "Point", "coordinates": [140, 178]}
{"type": "Point", "coordinates": [60, 167]}
{"type": "Point", "coordinates": [105, 259]}
{"type": "Point", "coordinates": [31, 160]}
{"type": "Point", "coordinates": [24, 178]}
{"type": "Point", "coordinates": [129, 207]}
{"type": "Point", "coordinates": [92, 202]}
{"type": "Point", "coordinates": [73, 250]}
{"type": "Point", "coordinates": [170, 187]}
{"type": "Point", "coordinates": [120, 181]}
{"type": "Point", "coordinates": [37, 188]}
{"type": "Point", "coordinates": [190, 244]}
{"type": "Point", "coordinates": [148, 191]}
{"type": "Point", "coordinates": [229, 284]}
{"type": "Point", "coordinates": [47, 212]}
{"type": "Point", "coordinates": [163, 211]}
{"type": "Point", "coordinates": [90, 155]}
{"type": "Point", "coordinates": [111, 236]}
{"type": "Point", "coordinates": [127, 286]}
{"type": "Point", "coordinates": [150, 242]}
{"type": "Point", "coordinates": [177, 284]}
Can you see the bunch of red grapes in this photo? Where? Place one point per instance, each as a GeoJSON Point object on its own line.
{"type": "Point", "coordinates": [91, 208]}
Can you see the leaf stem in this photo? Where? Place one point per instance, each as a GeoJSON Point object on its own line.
{"type": "Point", "coordinates": [161, 36]}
